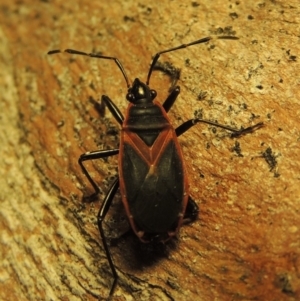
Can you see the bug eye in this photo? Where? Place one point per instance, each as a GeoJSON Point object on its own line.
{"type": "Point", "coordinates": [153, 94]}
{"type": "Point", "coordinates": [130, 97]}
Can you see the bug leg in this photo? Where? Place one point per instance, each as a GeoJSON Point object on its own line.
{"type": "Point", "coordinates": [191, 211]}
{"type": "Point", "coordinates": [107, 102]}
{"type": "Point", "coordinates": [171, 99]}
{"type": "Point", "coordinates": [169, 70]}
{"type": "Point", "coordinates": [235, 133]}
{"type": "Point", "coordinates": [100, 217]}
{"type": "Point", "coordinates": [92, 156]}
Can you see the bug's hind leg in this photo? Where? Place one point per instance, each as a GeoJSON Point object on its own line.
{"type": "Point", "coordinates": [191, 212]}
{"type": "Point", "coordinates": [101, 215]}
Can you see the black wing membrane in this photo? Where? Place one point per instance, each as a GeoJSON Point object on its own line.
{"type": "Point", "coordinates": [154, 194]}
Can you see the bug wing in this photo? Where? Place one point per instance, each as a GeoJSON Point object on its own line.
{"type": "Point", "coordinates": [155, 193]}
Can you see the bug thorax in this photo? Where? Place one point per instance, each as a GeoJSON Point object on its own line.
{"type": "Point", "coordinates": [140, 93]}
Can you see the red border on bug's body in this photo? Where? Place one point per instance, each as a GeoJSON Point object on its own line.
{"type": "Point", "coordinates": [151, 155]}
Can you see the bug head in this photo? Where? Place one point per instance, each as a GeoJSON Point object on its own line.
{"type": "Point", "coordinates": [140, 93]}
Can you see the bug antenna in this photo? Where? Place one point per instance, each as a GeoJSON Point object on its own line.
{"type": "Point", "coordinates": [203, 40]}
{"type": "Point", "coordinates": [72, 51]}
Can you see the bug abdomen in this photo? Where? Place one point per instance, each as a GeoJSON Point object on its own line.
{"type": "Point", "coordinates": [153, 185]}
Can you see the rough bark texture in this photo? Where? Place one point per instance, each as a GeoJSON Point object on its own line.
{"type": "Point", "coordinates": [245, 244]}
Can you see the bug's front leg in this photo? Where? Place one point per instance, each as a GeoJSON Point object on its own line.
{"type": "Point", "coordinates": [92, 156]}
{"type": "Point", "coordinates": [168, 103]}
{"type": "Point", "coordinates": [107, 102]}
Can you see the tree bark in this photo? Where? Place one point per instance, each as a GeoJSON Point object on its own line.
{"type": "Point", "coordinates": [245, 244]}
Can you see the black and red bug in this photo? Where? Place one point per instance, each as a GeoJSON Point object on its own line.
{"type": "Point", "coordinates": [152, 177]}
